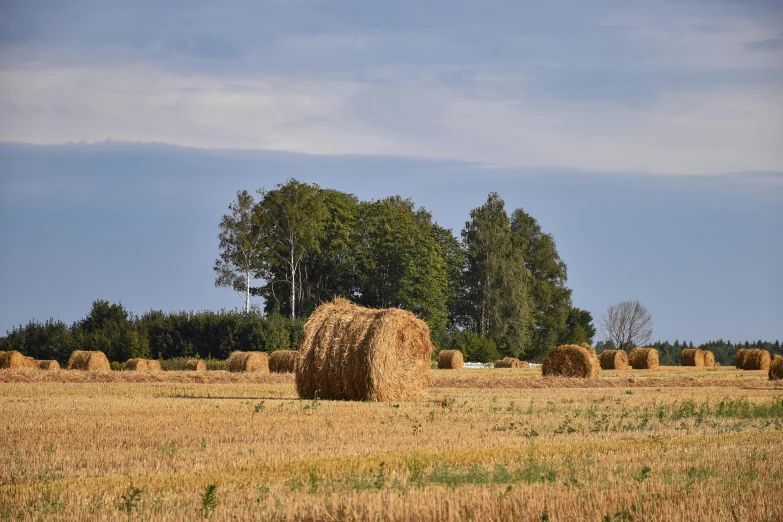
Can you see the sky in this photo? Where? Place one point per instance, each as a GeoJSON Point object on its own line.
{"type": "Point", "coordinates": [647, 137]}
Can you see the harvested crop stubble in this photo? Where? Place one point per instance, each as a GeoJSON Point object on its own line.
{"type": "Point", "coordinates": [348, 352]}
{"type": "Point", "coordinates": [756, 359]}
{"type": "Point", "coordinates": [572, 360]}
{"type": "Point", "coordinates": [692, 357]}
{"type": "Point", "coordinates": [195, 365]}
{"type": "Point", "coordinates": [137, 365]}
{"type": "Point", "coordinates": [14, 360]}
{"type": "Point", "coordinates": [739, 361]}
{"type": "Point", "coordinates": [709, 359]}
{"type": "Point", "coordinates": [643, 358]}
{"type": "Point", "coordinates": [614, 360]}
{"type": "Point", "coordinates": [450, 360]}
{"type": "Point", "coordinates": [776, 368]}
{"type": "Point", "coordinates": [90, 361]}
{"type": "Point", "coordinates": [283, 361]}
{"type": "Point", "coordinates": [48, 365]}
{"type": "Point", "coordinates": [248, 362]}
{"type": "Point", "coordinates": [511, 362]}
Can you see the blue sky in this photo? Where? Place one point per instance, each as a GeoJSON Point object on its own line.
{"type": "Point", "coordinates": [646, 136]}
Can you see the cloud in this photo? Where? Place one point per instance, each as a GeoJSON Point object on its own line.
{"type": "Point", "coordinates": [768, 44]}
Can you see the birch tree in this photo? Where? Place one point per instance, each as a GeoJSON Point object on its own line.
{"type": "Point", "coordinates": [627, 325]}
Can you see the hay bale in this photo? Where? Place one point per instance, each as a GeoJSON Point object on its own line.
{"type": "Point", "coordinates": [252, 362]}
{"type": "Point", "coordinates": [739, 361]}
{"type": "Point", "coordinates": [450, 360]}
{"type": "Point", "coordinates": [48, 365]}
{"type": "Point", "coordinates": [348, 352]}
{"type": "Point", "coordinates": [153, 365]}
{"type": "Point", "coordinates": [614, 360]}
{"type": "Point", "coordinates": [709, 359]}
{"type": "Point", "coordinates": [195, 365]}
{"type": "Point", "coordinates": [693, 357]}
{"type": "Point", "coordinates": [756, 359]}
{"type": "Point", "coordinates": [572, 360]}
{"type": "Point", "coordinates": [716, 363]}
{"type": "Point", "coordinates": [137, 365]}
{"type": "Point", "coordinates": [776, 368]}
{"type": "Point", "coordinates": [511, 362]}
{"type": "Point", "coordinates": [283, 361]}
{"type": "Point", "coordinates": [643, 358]}
{"type": "Point", "coordinates": [89, 361]}
{"type": "Point", "coordinates": [14, 360]}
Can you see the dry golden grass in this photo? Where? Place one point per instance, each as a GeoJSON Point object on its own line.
{"type": "Point", "coordinates": [633, 448]}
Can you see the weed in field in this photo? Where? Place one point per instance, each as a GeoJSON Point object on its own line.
{"type": "Point", "coordinates": [209, 501]}
{"type": "Point", "coordinates": [130, 500]}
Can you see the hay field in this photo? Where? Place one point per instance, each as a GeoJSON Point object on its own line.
{"type": "Point", "coordinates": [663, 444]}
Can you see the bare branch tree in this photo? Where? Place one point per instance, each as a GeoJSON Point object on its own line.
{"type": "Point", "coordinates": [627, 325]}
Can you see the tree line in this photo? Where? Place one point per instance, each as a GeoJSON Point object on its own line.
{"type": "Point", "coordinates": [725, 351]}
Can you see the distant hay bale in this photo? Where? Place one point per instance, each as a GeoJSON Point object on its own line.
{"type": "Point", "coordinates": [709, 359]}
{"type": "Point", "coordinates": [153, 365]}
{"type": "Point", "coordinates": [14, 360]}
{"type": "Point", "coordinates": [716, 363]}
{"type": "Point", "coordinates": [511, 362]}
{"type": "Point", "coordinates": [283, 361]}
{"type": "Point", "coordinates": [614, 360]}
{"type": "Point", "coordinates": [195, 365]}
{"type": "Point", "coordinates": [348, 352]}
{"type": "Point", "coordinates": [89, 361]}
{"type": "Point", "coordinates": [255, 362]}
{"type": "Point", "coordinates": [137, 365]}
{"type": "Point", "coordinates": [693, 357]}
{"type": "Point", "coordinates": [643, 358]}
{"type": "Point", "coordinates": [756, 359]}
{"type": "Point", "coordinates": [48, 365]}
{"type": "Point", "coordinates": [450, 360]}
{"type": "Point", "coordinates": [572, 360]}
{"type": "Point", "coordinates": [739, 361]}
{"type": "Point", "coordinates": [776, 368]}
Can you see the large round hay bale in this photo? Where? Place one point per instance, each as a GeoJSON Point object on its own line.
{"type": "Point", "coordinates": [614, 360]}
{"type": "Point", "coordinates": [348, 352]}
{"type": "Point", "coordinates": [48, 365]}
{"type": "Point", "coordinates": [572, 360]}
{"type": "Point", "coordinates": [643, 358]}
{"type": "Point", "coordinates": [283, 361]}
{"type": "Point", "coordinates": [153, 365]}
{"type": "Point", "coordinates": [89, 361]}
{"type": "Point", "coordinates": [739, 361]}
{"type": "Point", "coordinates": [195, 365]}
{"type": "Point", "coordinates": [450, 360]}
{"type": "Point", "coordinates": [692, 357]}
{"type": "Point", "coordinates": [511, 362]}
{"type": "Point", "coordinates": [776, 368]}
{"type": "Point", "coordinates": [709, 359]}
{"type": "Point", "coordinates": [137, 365]}
{"type": "Point", "coordinates": [756, 359]}
{"type": "Point", "coordinates": [254, 362]}
{"type": "Point", "coordinates": [14, 360]}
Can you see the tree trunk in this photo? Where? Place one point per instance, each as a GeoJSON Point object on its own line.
{"type": "Point", "coordinates": [247, 292]}
{"type": "Point", "coordinates": [293, 286]}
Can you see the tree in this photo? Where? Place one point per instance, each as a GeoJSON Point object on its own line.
{"type": "Point", "coordinates": [241, 244]}
{"type": "Point", "coordinates": [627, 325]}
{"type": "Point", "coordinates": [579, 327]}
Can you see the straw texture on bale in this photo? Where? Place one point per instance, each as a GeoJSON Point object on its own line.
{"type": "Point", "coordinates": [709, 358]}
{"type": "Point", "coordinates": [89, 361]}
{"type": "Point", "coordinates": [756, 359]}
{"type": "Point", "coordinates": [153, 365]}
{"type": "Point", "coordinates": [511, 362]}
{"type": "Point", "coordinates": [137, 365]}
{"type": "Point", "coordinates": [283, 361]}
{"type": "Point", "coordinates": [450, 360]}
{"type": "Point", "coordinates": [572, 360]}
{"type": "Point", "coordinates": [14, 360]}
{"type": "Point", "coordinates": [48, 365]}
{"type": "Point", "coordinates": [643, 358]}
{"type": "Point", "coordinates": [614, 360]}
{"type": "Point", "coordinates": [195, 365]}
{"type": "Point", "coordinates": [776, 368]}
{"type": "Point", "coordinates": [739, 361]}
{"type": "Point", "coordinates": [693, 357]}
{"type": "Point", "coordinates": [348, 352]}
{"type": "Point", "coordinates": [257, 362]}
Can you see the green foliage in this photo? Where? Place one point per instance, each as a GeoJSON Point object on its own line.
{"type": "Point", "coordinates": [474, 347]}
{"type": "Point", "coordinates": [209, 501]}
{"type": "Point", "coordinates": [130, 500]}
{"type": "Point", "coordinates": [579, 327]}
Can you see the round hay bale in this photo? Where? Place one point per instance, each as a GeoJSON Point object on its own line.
{"type": "Point", "coordinates": [153, 365]}
{"type": "Point", "coordinates": [709, 359]}
{"type": "Point", "coordinates": [511, 362]}
{"type": "Point", "coordinates": [756, 359]}
{"type": "Point", "coordinates": [283, 361]}
{"type": "Point", "coordinates": [137, 365]}
{"type": "Point", "coordinates": [348, 352]}
{"type": "Point", "coordinates": [89, 361]}
{"type": "Point", "coordinates": [572, 360]}
{"type": "Point", "coordinates": [450, 360]}
{"type": "Point", "coordinates": [716, 363]}
{"type": "Point", "coordinates": [614, 360]}
{"type": "Point", "coordinates": [692, 357]}
{"type": "Point", "coordinates": [252, 362]}
{"type": "Point", "coordinates": [48, 365]}
{"type": "Point", "coordinates": [195, 365]}
{"type": "Point", "coordinates": [776, 368]}
{"type": "Point", "coordinates": [14, 360]}
{"type": "Point", "coordinates": [643, 358]}
{"type": "Point", "coordinates": [739, 361]}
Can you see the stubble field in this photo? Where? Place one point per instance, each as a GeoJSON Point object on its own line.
{"type": "Point", "coordinates": [666, 444]}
